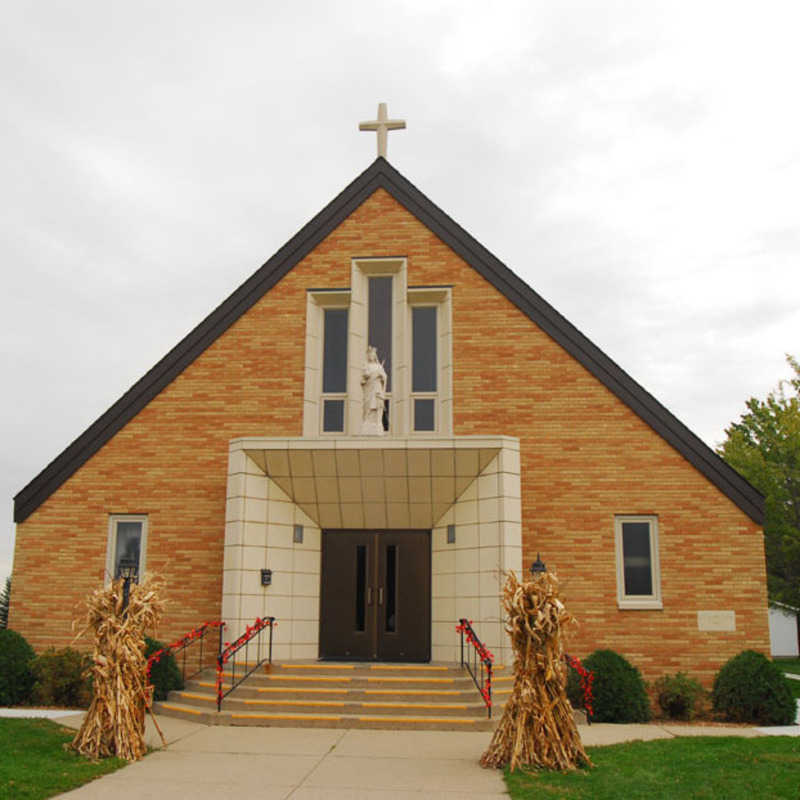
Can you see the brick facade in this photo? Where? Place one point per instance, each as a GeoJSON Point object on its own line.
{"type": "Point", "coordinates": [585, 457]}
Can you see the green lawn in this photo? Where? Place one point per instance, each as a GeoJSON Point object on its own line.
{"type": "Point", "coordinates": [689, 767]}
{"type": "Point", "coordinates": [34, 763]}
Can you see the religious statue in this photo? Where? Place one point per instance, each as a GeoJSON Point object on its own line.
{"type": "Point", "coordinates": [373, 386]}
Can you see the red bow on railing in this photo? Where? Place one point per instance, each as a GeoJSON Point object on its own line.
{"type": "Point", "coordinates": [585, 678]}
{"type": "Point", "coordinates": [230, 648]}
{"type": "Point", "coordinates": [196, 633]}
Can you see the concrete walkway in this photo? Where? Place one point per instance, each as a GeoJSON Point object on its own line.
{"type": "Point", "coordinates": [203, 762]}
{"type": "Point", "coordinates": [302, 764]}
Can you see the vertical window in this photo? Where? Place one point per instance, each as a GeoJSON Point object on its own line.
{"type": "Point", "coordinates": [391, 588]}
{"type": "Point", "coordinates": [379, 330]}
{"type": "Point", "coordinates": [334, 369]}
{"type": "Point", "coordinates": [638, 574]}
{"type": "Point", "coordinates": [127, 537]}
{"type": "Point", "coordinates": [361, 585]}
{"type": "Point", "coordinates": [424, 367]}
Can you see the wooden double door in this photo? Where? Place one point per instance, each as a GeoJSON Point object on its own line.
{"type": "Point", "coordinates": [376, 595]}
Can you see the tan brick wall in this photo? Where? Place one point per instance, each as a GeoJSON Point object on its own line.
{"type": "Point", "coordinates": [585, 457]}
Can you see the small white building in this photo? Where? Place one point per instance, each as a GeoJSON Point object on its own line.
{"type": "Point", "coordinates": [784, 631]}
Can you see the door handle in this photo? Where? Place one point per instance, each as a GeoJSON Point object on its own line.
{"type": "Point", "coordinates": [369, 595]}
{"type": "Point", "coordinates": [380, 596]}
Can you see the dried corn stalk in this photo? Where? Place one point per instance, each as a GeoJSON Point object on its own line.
{"type": "Point", "coordinates": [537, 728]}
{"type": "Point", "coordinates": [114, 723]}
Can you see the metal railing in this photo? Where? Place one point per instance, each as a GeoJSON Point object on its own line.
{"type": "Point", "coordinates": [180, 649]}
{"type": "Point", "coordinates": [477, 660]}
{"type": "Point", "coordinates": [228, 655]}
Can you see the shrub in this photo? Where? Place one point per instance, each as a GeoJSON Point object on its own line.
{"type": "Point", "coordinates": [16, 678]}
{"type": "Point", "coordinates": [61, 678]}
{"type": "Point", "coordinates": [618, 689]}
{"type": "Point", "coordinates": [165, 675]}
{"type": "Point", "coordinates": [678, 694]}
{"type": "Point", "coordinates": [750, 688]}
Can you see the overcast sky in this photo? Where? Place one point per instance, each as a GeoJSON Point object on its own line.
{"type": "Point", "coordinates": [638, 164]}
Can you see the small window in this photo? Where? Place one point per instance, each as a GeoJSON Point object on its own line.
{"type": "Point", "coordinates": [127, 538]}
{"type": "Point", "coordinates": [638, 574]}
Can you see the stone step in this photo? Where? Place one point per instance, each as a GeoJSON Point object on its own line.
{"type": "Point", "coordinates": [344, 704]}
{"type": "Point", "coordinates": [320, 719]}
{"type": "Point", "coordinates": [388, 696]}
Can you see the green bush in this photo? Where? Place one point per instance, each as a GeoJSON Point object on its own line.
{"type": "Point", "coordinates": [61, 679]}
{"type": "Point", "coordinates": [16, 678]}
{"type": "Point", "coordinates": [165, 675]}
{"type": "Point", "coordinates": [750, 688]}
{"type": "Point", "coordinates": [678, 694]}
{"type": "Point", "coordinates": [618, 689]}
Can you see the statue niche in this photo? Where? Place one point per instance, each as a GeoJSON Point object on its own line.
{"type": "Point", "coordinates": [373, 387]}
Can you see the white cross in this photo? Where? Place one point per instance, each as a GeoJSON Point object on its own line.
{"type": "Point", "coordinates": [382, 125]}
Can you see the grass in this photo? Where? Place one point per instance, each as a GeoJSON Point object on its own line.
{"type": "Point", "coordinates": [687, 767]}
{"type": "Point", "coordinates": [34, 763]}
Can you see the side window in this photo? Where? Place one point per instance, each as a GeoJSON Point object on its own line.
{"type": "Point", "coordinates": [424, 367]}
{"type": "Point", "coordinates": [638, 573]}
{"type": "Point", "coordinates": [334, 369]}
{"type": "Point", "coordinates": [127, 539]}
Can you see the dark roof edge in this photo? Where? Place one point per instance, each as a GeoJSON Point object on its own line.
{"type": "Point", "coordinates": [28, 499]}
{"type": "Point", "coordinates": [666, 424]}
{"type": "Point", "coordinates": [381, 174]}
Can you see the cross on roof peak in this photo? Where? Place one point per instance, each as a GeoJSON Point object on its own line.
{"type": "Point", "coordinates": [382, 126]}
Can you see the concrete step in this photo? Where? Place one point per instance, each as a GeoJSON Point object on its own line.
{"type": "Point", "coordinates": [315, 694]}
{"type": "Point", "coordinates": [320, 719]}
{"type": "Point", "coordinates": [343, 704]}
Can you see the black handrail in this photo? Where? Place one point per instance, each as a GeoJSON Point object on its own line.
{"type": "Point", "coordinates": [228, 654]}
{"type": "Point", "coordinates": [182, 645]}
{"type": "Point", "coordinates": [479, 654]}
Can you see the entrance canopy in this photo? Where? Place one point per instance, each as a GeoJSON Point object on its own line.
{"type": "Point", "coordinates": [374, 482]}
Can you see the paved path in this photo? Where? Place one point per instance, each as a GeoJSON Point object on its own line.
{"type": "Point", "coordinates": [203, 762]}
{"type": "Point", "coordinates": [302, 764]}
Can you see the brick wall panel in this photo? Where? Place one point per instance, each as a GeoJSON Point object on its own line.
{"type": "Point", "coordinates": [585, 457]}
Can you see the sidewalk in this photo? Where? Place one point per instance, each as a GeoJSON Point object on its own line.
{"type": "Point", "coordinates": [204, 762]}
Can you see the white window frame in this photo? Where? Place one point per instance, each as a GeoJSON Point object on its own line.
{"type": "Point", "coordinates": [355, 299]}
{"type": "Point", "coordinates": [317, 300]}
{"type": "Point", "coordinates": [438, 297]}
{"type": "Point", "coordinates": [111, 546]}
{"type": "Point", "coordinates": [638, 601]}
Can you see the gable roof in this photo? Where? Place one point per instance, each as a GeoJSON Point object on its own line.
{"type": "Point", "coordinates": [380, 174]}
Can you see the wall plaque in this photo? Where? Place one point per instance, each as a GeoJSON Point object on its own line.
{"type": "Point", "coordinates": [716, 620]}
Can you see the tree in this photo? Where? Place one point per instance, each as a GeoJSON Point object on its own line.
{"type": "Point", "coordinates": [5, 600]}
{"type": "Point", "coordinates": [764, 447]}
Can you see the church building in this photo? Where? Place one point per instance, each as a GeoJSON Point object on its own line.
{"type": "Point", "coordinates": [366, 435]}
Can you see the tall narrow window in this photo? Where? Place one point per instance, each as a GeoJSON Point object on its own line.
{"type": "Point", "coordinates": [638, 575]}
{"type": "Point", "coordinates": [127, 537]}
{"type": "Point", "coordinates": [391, 588]}
{"type": "Point", "coordinates": [361, 585]}
{"type": "Point", "coordinates": [334, 369]}
{"type": "Point", "coordinates": [379, 330]}
{"type": "Point", "coordinates": [424, 368]}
